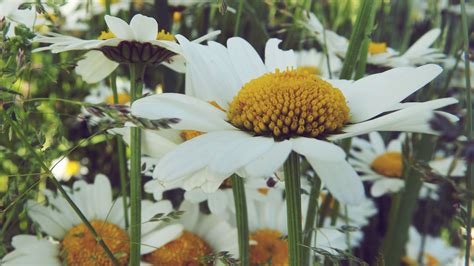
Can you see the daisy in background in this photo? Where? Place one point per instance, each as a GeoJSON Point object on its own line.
{"type": "Point", "coordinates": [64, 169]}
{"type": "Point", "coordinates": [31, 250]}
{"type": "Point", "coordinates": [156, 143]}
{"type": "Point", "coordinates": [382, 165]}
{"type": "Point", "coordinates": [9, 9]}
{"type": "Point", "coordinates": [77, 244]}
{"type": "Point", "coordinates": [317, 62]}
{"type": "Point", "coordinates": [137, 42]}
{"type": "Point", "coordinates": [260, 117]}
{"type": "Point", "coordinates": [458, 76]}
{"type": "Point", "coordinates": [436, 251]}
{"type": "Point", "coordinates": [204, 236]}
{"type": "Point", "coordinates": [268, 229]}
{"type": "Point", "coordinates": [379, 53]}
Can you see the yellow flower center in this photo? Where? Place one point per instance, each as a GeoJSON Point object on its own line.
{"type": "Point", "coordinates": [310, 69]}
{"type": "Point", "coordinates": [73, 168]}
{"type": "Point", "coordinates": [165, 36]}
{"type": "Point", "coordinates": [377, 48]}
{"type": "Point", "coordinates": [102, 2]}
{"type": "Point", "coordinates": [270, 249]}
{"type": "Point", "coordinates": [389, 164]}
{"type": "Point", "coordinates": [185, 250]}
{"type": "Point", "coordinates": [123, 98]}
{"type": "Point", "coordinates": [177, 16]}
{"type": "Point", "coordinates": [105, 35]}
{"type": "Point", "coordinates": [161, 35]}
{"type": "Point", "coordinates": [289, 103]}
{"type": "Point", "coordinates": [430, 260]}
{"type": "Point", "coordinates": [80, 247]}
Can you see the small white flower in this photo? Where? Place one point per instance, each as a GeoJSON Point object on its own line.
{"type": "Point", "coordinates": [63, 169]}
{"type": "Point", "coordinates": [382, 165]}
{"type": "Point", "coordinates": [318, 62]}
{"type": "Point", "coordinates": [436, 251]}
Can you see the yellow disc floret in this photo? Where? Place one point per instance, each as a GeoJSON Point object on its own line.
{"type": "Point", "coordinates": [80, 247]}
{"type": "Point", "coordinates": [164, 36]}
{"type": "Point", "coordinates": [105, 35]}
{"type": "Point", "coordinates": [377, 48]}
{"type": "Point", "coordinates": [73, 168]}
{"type": "Point", "coordinates": [310, 69]}
{"type": "Point", "coordinates": [389, 164]}
{"type": "Point", "coordinates": [269, 249]}
{"type": "Point", "coordinates": [429, 260]}
{"type": "Point", "coordinates": [190, 134]}
{"type": "Point", "coordinates": [183, 251]}
{"type": "Point", "coordinates": [123, 98]}
{"type": "Point", "coordinates": [289, 103]}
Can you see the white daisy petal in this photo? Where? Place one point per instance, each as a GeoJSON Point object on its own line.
{"type": "Point", "coordinates": [245, 59]}
{"type": "Point", "coordinates": [377, 142]}
{"type": "Point", "coordinates": [119, 28]}
{"type": "Point", "coordinates": [267, 163]}
{"type": "Point", "coordinates": [386, 185]}
{"type": "Point", "coordinates": [95, 67]}
{"type": "Point", "coordinates": [321, 150]}
{"type": "Point", "coordinates": [159, 238]}
{"type": "Point", "coordinates": [275, 58]}
{"type": "Point", "coordinates": [144, 28]}
{"type": "Point", "coordinates": [193, 113]}
{"type": "Point", "coordinates": [423, 43]}
{"type": "Point", "coordinates": [386, 89]}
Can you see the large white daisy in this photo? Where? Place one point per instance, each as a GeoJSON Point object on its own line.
{"type": "Point", "coordinates": [203, 235]}
{"type": "Point", "coordinates": [382, 165]}
{"type": "Point", "coordinates": [379, 53]}
{"type": "Point", "coordinates": [77, 244]}
{"type": "Point", "coordinates": [264, 113]}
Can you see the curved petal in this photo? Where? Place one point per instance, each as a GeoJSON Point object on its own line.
{"type": "Point", "coordinates": [95, 67]}
{"type": "Point", "coordinates": [119, 28]}
{"type": "Point", "coordinates": [144, 28]}
{"type": "Point", "coordinates": [328, 161]}
{"type": "Point", "coordinates": [193, 114]}
{"type": "Point", "coordinates": [386, 185]}
{"type": "Point", "coordinates": [275, 58]}
{"type": "Point", "coordinates": [375, 94]}
{"type": "Point", "coordinates": [266, 164]}
{"type": "Point", "coordinates": [245, 59]}
{"type": "Point", "coordinates": [423, 43]}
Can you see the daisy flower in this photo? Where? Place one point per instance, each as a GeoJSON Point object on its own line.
{"type": "Point", "coordinates": [265, 111]}
{"type": "Point", "coordinates": [203, 235]}
{"type": "Point", "coordinates": [382, 165]}
{"type": "Point", "coordinates": [137, 42]}
{"type": "Point", "coordinates": [268, 229]}
{"type": "Point", "coordinates": [77, 244]}
{"type": "Point", "coordinates": [63, 169]}
{"type": "Point", "coordinates": [9, 9]}
{"type": "Point", "coordinates": [379, 53]}
{"type": "Point", "coordinates": [316, 62]}
{"type": "Point", "coordinates": [436, 251]}
{"type": "Point", "coordinates": [31, 250]}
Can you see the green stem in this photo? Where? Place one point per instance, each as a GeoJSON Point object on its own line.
{"type": "Point", "coordinates": [63, 192]}
{"type": "Point", "coordinates": [237, 19]}
{"type": "Point", "coordinates": [107, 6]}
{"type": "Point", "coordinates": [311, 219]}
{"type": "Point", "coordinates": [240, 202]}
{"type": "Point", "coordinates": [362, 28]}
{"type": "Point", "coordinates": [469, 130]}
{"type": "Point", "coordinates": [121, 155]}
{"type": "Point", "coordinates": [137, 72]}
{"type": "Point", "coordinates": [293, 208]}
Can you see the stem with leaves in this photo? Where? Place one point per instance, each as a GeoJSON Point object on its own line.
{"type": "Point", "coordinates": [293, 209]}
{"type": "Point", "coordinates": [137, 71]}
{"type": "Point", "coordinates": [468, 129]}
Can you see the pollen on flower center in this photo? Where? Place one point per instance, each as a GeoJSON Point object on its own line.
{"type": "Point", "coordinates": [429, 260]}
{"type": "Point", "coordinates": [389, 164]}
{"type": "Point", "coordinates": [289, 103]}
{"type": "Point", "coordinates": [73, 168]}
{"type": "Point", "coordinates": [123, 98]}
{"type": "Point", "coordinates": [185, 250]}
{"type": "Point", "coordinates": [80, 247]}
{"type": "Point", "coordinates": [270, 248]}
{"type": "Point", "coordinates": [377, 48]}
{"type": "Point", "coordinates": [310, 69]}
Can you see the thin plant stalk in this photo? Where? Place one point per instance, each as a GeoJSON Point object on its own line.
{"type": "Point", "coordinates": [469, 130]}
{"type": "Point", "coordinates": [310, 222]}
{"type": "Point", "coordinates": [293, 209]}
{"type": "Point", "coordinates": [63, 192]}
{"type": "Point", "coordinates": [241, 217]}
{"type": "Point", "coordinates": [121, 155]}
{"type": "Point", "coordinates": [237, 19]}
{"type": "Point", "coordinates": [137, 72]}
